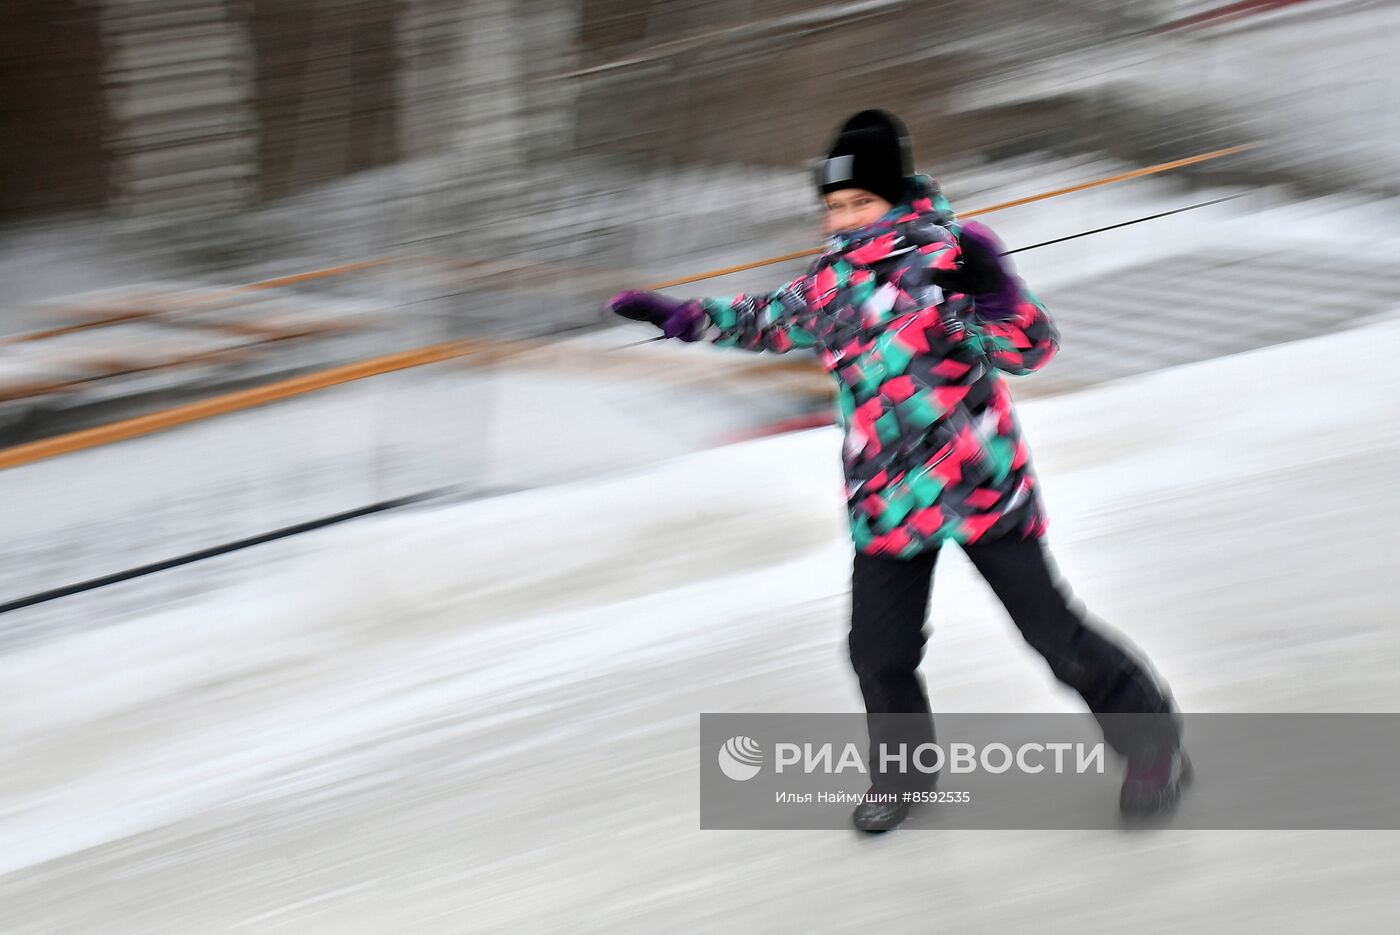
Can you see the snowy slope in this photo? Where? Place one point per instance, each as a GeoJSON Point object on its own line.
{"type": "Point", "coordinates": [482, 718]}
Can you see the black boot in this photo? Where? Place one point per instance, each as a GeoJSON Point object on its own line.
{"type": "Point", "coordinates": [880, 811]}
{"type": "Point", "coordinates": [1154, 780]}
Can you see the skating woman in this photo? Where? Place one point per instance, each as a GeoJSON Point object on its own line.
{"type": "Point", "coordinates": [917, 317]}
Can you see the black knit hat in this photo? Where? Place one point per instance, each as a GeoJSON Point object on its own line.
{"type": "Point", "coordinates": [871, 151]}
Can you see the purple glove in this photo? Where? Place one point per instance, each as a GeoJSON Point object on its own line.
{"type": "Point", "coordinates": [986, 275]}
{"type": "Point", "coordinates": [675, 318]}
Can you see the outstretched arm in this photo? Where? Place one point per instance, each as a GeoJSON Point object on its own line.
{"type": "Point", "coordinates": [775, 321]}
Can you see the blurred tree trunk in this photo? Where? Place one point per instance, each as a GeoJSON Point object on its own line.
{"type": "Point", "coordinates": [51, 109]}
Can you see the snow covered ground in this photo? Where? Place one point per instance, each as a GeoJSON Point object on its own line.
{"type": "Point", "coordinates": [483, 717]}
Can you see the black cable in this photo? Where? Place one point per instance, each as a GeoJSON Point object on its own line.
{"type": "Point", "coordinates": [1150, 217]}
{"type": "Point", "coordinates": [213, 551]}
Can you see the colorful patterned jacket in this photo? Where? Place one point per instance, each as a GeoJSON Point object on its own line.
{"type": "Point", "coordinates": [933, 452]}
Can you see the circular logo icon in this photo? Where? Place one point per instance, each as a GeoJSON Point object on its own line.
{"type": "Point", "coordinates": [740, 758]}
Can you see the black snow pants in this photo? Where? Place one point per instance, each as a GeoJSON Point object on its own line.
{"type": "Point", "coordinates": [889, 602]}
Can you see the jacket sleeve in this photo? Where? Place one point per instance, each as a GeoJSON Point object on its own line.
{"type": "Point", "coordinates": [776, 321]}
{"type": "Point", "coordinates": [1013, 326]}
{"type": "Point", "coordinates": [1024, 340]}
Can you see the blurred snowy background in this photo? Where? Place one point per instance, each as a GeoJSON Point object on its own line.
{"type": "Point", "coordinates": [365, 728]}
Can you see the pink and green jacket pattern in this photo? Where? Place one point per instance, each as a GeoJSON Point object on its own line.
{"type": "Point", "coordinates": [933, 452]}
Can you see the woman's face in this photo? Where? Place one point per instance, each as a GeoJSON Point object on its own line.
{"type": "Point", "coordinates": [852, 208]}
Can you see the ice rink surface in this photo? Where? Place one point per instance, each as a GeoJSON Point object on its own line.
{"type": "Point", "coordinates": [483, 717]}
